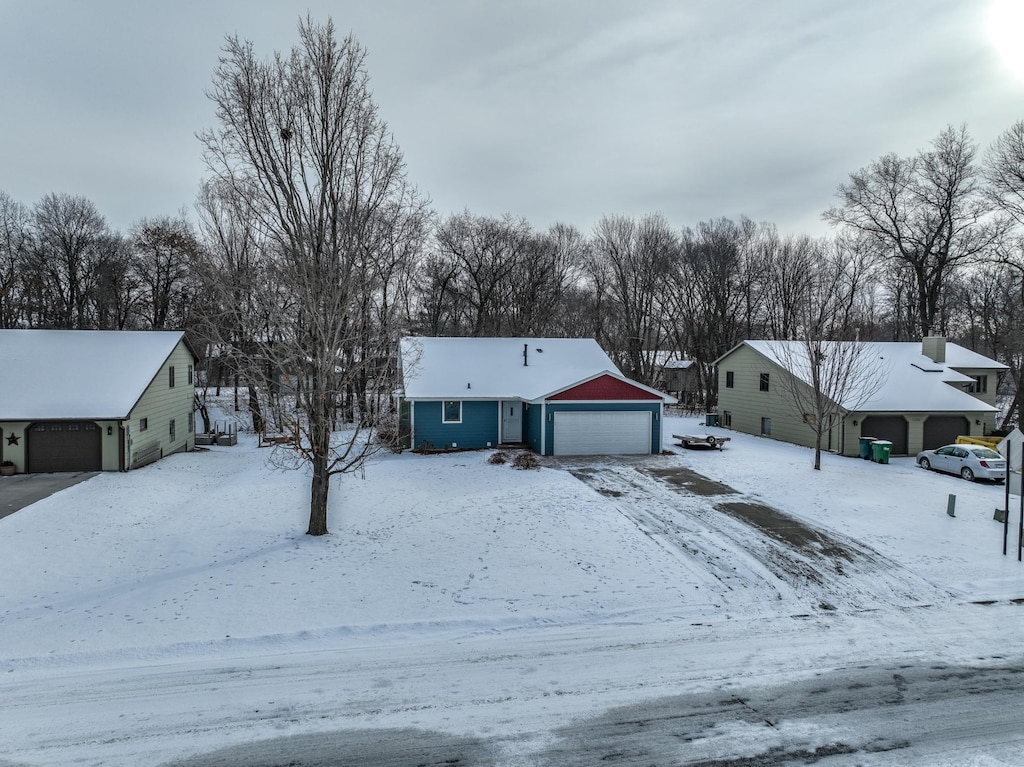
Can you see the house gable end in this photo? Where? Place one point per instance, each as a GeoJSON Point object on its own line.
{"type": "Point", "coordinates": [604, 388]}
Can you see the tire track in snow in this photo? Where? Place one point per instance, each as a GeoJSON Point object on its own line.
{"type": "Point", "coordinates": [745, 546]}
{"type": "Point", "coordinates": [729, 573]}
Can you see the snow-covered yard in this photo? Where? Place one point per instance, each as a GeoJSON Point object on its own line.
{"type": "Point", "coordinates": [434, 562]}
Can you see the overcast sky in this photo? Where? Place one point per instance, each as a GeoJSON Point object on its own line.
{"type": "Point", "coordinates": [552, 110]}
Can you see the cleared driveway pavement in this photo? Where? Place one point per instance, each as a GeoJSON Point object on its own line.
{"type": "Point", "coordinates": [21, 490]}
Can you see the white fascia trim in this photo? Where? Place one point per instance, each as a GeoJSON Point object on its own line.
{"type": "Point", "coordinates": [543, 428]}
{"type": "Point", "coordinates": [604, 402]}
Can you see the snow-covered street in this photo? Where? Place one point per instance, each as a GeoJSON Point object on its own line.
{"type": "Point", "coordinates": [178, 610]}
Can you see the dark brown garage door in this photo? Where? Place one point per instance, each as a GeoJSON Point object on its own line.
{"type": "Point", "coordinates": [942, 430]}
{"type": "Point", "coordinates": [890, 427]}
{"type": "Point", "coordinates": [64, 446]}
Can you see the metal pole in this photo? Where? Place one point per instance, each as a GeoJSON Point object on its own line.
{"type": "Point", "coordinates": [1006, 516]}
{"type": "Point", "coordinates": [1020, 527]}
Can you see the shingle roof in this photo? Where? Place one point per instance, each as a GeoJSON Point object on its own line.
{"type": "Point", "coordinates": [492, 368]}
{"type": "Point", "coordinates": [72, 374]}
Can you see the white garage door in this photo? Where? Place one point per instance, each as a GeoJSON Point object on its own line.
{"type": "Point", "coordinates": [621, 432]}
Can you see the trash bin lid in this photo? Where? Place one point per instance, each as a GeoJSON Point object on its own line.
{"type": "Point", "coordinates": [881, 442]}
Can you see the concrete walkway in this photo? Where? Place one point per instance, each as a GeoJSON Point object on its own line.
{"type": "Point", "coordinates": [20, 490]}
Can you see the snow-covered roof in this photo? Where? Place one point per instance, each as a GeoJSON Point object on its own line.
{"type": "Point", "coordinates": [671, 360]}
{"type": "Point", "coordinates": [70, 374]}
{"type": "Point", "coordinates": [907, 380]}
{"type": "Point", "coordinates": [493, 368]}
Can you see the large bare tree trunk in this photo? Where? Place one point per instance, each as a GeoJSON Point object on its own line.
{"type": "Point", "coordinates": [318, 492]}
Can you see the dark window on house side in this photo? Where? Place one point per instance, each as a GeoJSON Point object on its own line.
{"type": "Point", "coordinates": [143, 424]}
{"type": "Point", "coordinates": [191, 422]}
{"type": "Point", "coordinates": [766, 427]}
{"type": "Point", "coordinates": [189, 375]}
{"type": "Point", "coordinates": [729, 379]}
{"type": "Point", "coordinates": [980, 385]}
{"type": "Point", "coordinates": [171, 431]}
{"type": "Point", "coordinates": [170, 376]}
{"type": "Point", "coordinates": [451, 411]}
{"type": "Point", "coordinates": [727, 418]}
{"type": "Point", "coordinates": [764, 382]}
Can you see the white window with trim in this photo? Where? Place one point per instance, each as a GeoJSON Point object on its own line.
{"type": "Point", "coordinates": [451, 411]}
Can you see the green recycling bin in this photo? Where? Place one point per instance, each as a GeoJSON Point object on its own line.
{"type": "Point", "coordinates": [865, 447]}
{"type": "Point", "coordinates": [880, 450]}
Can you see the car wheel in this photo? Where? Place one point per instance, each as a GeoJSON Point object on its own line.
{"type": "Point", "coordinates": [925, 463]}
{"type": "Point", "coordinates": [967, 474]}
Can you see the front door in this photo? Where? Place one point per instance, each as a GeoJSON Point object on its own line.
{"type": "Point", "coordinates": [511, 421]}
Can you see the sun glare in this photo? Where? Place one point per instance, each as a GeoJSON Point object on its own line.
{"type": "Point", "coordinates": [1006, 31]}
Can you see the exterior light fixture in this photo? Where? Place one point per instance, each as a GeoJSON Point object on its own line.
{"type": "Point", "coordinates": [110, 430]}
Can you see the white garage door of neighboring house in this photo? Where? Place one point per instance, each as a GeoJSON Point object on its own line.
{"type": "Point", "coordinates": [618, 432]}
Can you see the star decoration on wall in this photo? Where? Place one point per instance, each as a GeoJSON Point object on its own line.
{"type": "Point", "coordinates": [13, 439]}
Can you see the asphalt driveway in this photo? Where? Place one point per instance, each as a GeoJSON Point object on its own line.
{"type": "Point", "coordinates": [20, 490]}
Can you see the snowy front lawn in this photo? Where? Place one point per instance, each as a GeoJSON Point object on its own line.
{"type": "Point", "coordinates": [205, 552]}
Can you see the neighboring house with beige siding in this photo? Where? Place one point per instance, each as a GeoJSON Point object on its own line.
{"type": "Point", "coordinates": [926, 395]}
{"type": "Point", "coordinates": [94, 400]}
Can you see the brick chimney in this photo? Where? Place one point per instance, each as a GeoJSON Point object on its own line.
{"type": "Point", "coordinates": [934, 348]}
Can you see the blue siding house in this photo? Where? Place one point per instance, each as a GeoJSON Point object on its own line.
{"type": "Point", "coordinates": [555, 396]}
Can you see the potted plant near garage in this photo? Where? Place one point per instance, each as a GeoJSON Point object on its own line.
{"type": "Point", "coordinates": [7, 468]}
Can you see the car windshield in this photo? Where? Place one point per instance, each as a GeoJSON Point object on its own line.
{"type": "Point", "coordinates": [984, 452]}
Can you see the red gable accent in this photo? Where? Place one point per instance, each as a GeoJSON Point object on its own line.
{"type": "Point", "coordinates": [602, 388]}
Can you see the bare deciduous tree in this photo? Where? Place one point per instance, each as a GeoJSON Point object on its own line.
{"type": "Point", "coordinates": [1004, 171]}
{"type": "Point", "coordinates": [925, 212]}
{"type": "Point", "coordinates": [633, 260]}
{"type": "Point", "coordinates": [714, 294]}
{"type": "Point", "coordinates": [15, 244]}
{"type": "Point", "coordinates": [66, 252]}
{"type": "Point", "coordinates": [165, 253]}
{"type": "Point", "coordinates": [300, 144]}
{"type": "Point", "coordinates": [829, 378]}
{"type": "Point", "coordinates": [487, 253]}
{"type": "Point", "coordinates": [116, 292]}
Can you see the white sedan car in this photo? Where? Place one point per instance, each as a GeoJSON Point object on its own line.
{"type": "Point", "coordinates": [969, 461]}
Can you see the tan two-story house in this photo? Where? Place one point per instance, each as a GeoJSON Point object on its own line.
{"type": "Point", "coordinates": [923, 395]}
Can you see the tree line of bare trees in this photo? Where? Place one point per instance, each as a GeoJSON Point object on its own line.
{"type": "Point", "coordinates": [310, 252]}
{"type": "Point", "coordinates": [62, 266]}
{"type": "Point", "coordinates": [927, 244]}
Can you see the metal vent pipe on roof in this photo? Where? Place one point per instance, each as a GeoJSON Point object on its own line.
{"type": "Point", "coordinates": [526, 351]}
